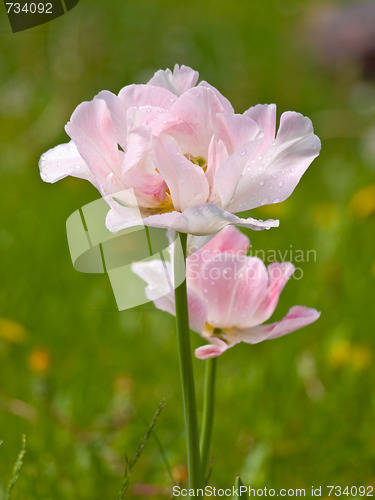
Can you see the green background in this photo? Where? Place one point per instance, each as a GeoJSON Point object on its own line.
{"type": "Point", "coordinates": [83, 380]}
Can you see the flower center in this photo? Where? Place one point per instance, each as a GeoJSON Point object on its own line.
{"type": "Point", "coordinates": [197, 160]}
{"type": "Point", "coordinates": [211, 331]}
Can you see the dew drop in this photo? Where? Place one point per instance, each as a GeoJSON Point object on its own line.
{"type": "Point", "coordinates": [276, 200]}
{"type": "Point", "coordinates": [243, 152]}
{"type": "Point", "coordinates": [281, 184]}
{"type": "Point", "coordinates": [260, 157]}
{"type": "Point", "coordinates": [148, 110]}
{"type": "Point", "coordinates": [43, 175]}
{"type": "Point", "coordinates": [261, 183]}
{"type": "Point", "coordinates": [165, 121]}
{"type": "Point", "coordinates": [273, 143]}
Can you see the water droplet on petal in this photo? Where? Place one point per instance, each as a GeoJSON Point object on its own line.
{"type": "Point", "coordinates": [261, 183]}
{"type": "Point", "coordinates": [260, 157]}
{"type": "Point", "coordinates": [243, 152]}
{"type": "Point", "coordinates": [43, 175]}
{"type": "Point", "coordinates": [281, 184]}
{"type": "Point", "coordinates": [276, 200]}
{"type": "Point", "coordinates": [273, 143]}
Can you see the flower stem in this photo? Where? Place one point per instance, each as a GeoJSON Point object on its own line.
{"type": "Point", "coordinates": [208, 413]}
{"type": "Point", "coordinates": [186, 365]}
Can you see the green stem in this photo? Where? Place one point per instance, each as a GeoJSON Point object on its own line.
{"type": "Point", "coordinates": [186, 365]}
{"type": "Point", "coordinates": [208, 413]}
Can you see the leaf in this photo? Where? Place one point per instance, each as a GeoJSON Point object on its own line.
{"type": "Point", "coordinates": [237, 486]}
{"type": "Point", "coordinates": [17, 468]}
{"type": "Point", "coordinates": [129, 464]}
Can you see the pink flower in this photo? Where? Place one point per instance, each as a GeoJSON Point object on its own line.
{"type": "Point", "coordinates": [230, 295]}
{"type": "Point", "coordinates": [175, 155]}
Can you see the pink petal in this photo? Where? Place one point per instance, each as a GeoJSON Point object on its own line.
{"type": "Point", "coordinates": [279, 273]}
{"type": "Point", "coordinates": [274, 175]}
{"type": "Point", "coordinates": [64, 160]}
{"type": "Point", "coordinates": [186, 181]}
{"type": "Point", "coordinates": [297, 317]}
{"type": "Point", "coordinates": [233, 287]}
{"type": "Point", "coordinates": [229, 240]}
{"type": "Point", "coordinates": [159, 289]}
{"type": "Point", "coordinates": [236, 130]}
{"type": "Point", "coordinates": [150, 189]}
{"type": "Point", "coordinates": [229, 175]}
{"type": "Point", "coordinates": [225, 103]}
{"type": "Point", "coordinates": [91, 129]}
{"type": "Point", "coordinates": [265, 116]}
{"type": "Point", "coordinates": [217, 155]}
{"type": "Point", "coordinates": [200, 220]}
{"type": "Point", "coordinates": [211, 350]}
{"type": "Point", "coordinates": [154, 117]}
{"type": "Point", "coordinates": [146, 95]}
{"type": "Point", "coordinates": [197, 109]}
{"type": "Point", "coordinates": [209, 218]}
{"type": "Point", "coordinates": [118, 115]}
{"type": "Point", "coordinates": [182, 79]}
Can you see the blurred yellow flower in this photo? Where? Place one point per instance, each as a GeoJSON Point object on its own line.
{"type": "Point", "coordinates": [362, 203]}
{"type": "Point", "coordinates": [12, 331]}
{"type": "Point", "coordinates": [343, 353]}
{"type": "Point", "coordinates": [40, 360]}
{"type": "Point", "coordinates": [339, 354]}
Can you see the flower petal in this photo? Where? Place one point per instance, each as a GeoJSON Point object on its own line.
{"type": "Point", "coordinates": [186, 181]}
{"type": "Point", "coordinates": [236, 130]}
{"type": "Point", "coordinates": [182, 79]}
{"type": "Point", "coordinates": [279, 273]}
{"type": "Point", "coordinates": [233, 287]}
{"type": "Point", "coordinates": [209, 218]}
{"type": "Point", "coordinates": [64, 160]}
{"type": "Point", "coordinates": [225, 103]}
{"type": "Point", "coordinates": [91, 129]}
{"type": "Point", "coordinates": [146, 95]}
{"type": "Point", "coordinates": [118, 115]}
{"type": "Point", "coordinates": [265, 116]}
{"type": "Point", "coordinates": [230, 173]}
{"type": "Point", "coordinates": [159, 289]}
{"type": "Point", "coordinates": [197, 109]}
{"type": "Point", "coordinates": [274, 175]}
{"type": "Point", "coordinates": [297, 317]}
{"type": "Point", "coordinates": [211, 350]}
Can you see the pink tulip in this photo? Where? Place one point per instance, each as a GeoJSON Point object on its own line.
{"type": "Point", "coordinates": [230, 295]}
{"type": "Point", "coordinates": [174, 155]}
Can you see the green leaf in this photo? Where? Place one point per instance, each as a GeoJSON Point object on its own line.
{"type": "Point", "coordinates": [17, 468]}
{"type": "Point", "coordinates": [237, 485]}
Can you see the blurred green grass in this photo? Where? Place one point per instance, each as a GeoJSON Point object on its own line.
{"type": "Point", "coordinates": [81, 379]}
